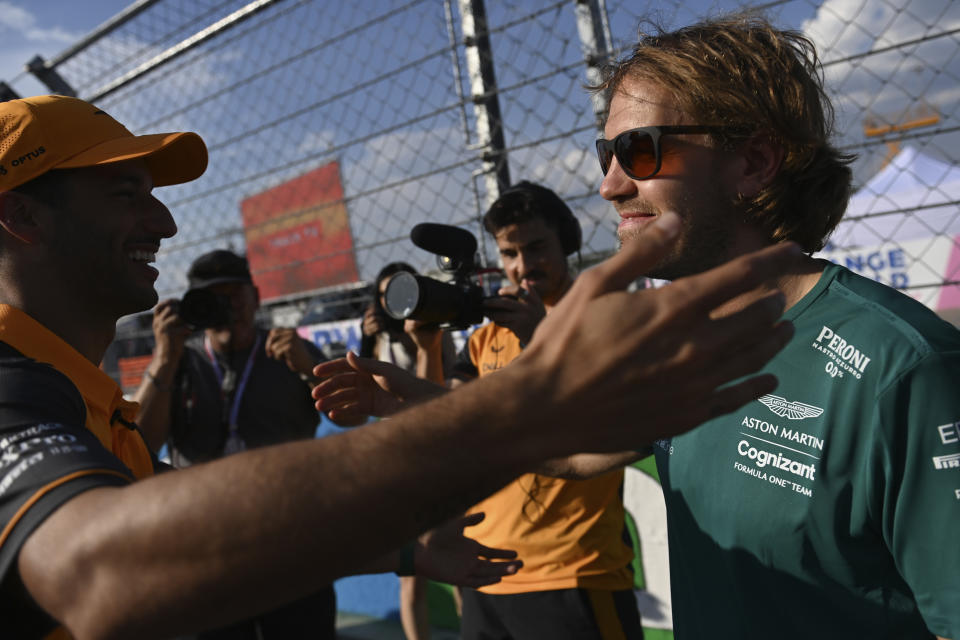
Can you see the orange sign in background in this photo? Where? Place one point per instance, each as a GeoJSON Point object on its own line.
{"type": "Point", "coordinates": [131, 372]}
{"type": "Point", "coordinates": [298, 235]}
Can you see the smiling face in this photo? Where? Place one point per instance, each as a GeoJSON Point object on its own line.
{"type": "Point", "coordinates": [531, 252]}
{"type": "Point", "coordinates": [696, 180]}
{"type": "Point", "coordinates": [105, 232]}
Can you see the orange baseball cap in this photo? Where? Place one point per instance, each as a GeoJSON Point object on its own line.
{"type": "Point", "coordinates": [57, 132]}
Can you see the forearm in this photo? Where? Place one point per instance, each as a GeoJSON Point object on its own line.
{"type": "Point", "coordinates": [582, 466]}
{"type": "Point", "coordinates": [385, 563]}
{"type": "Point", "coordinates": [250, 541]}
{"type": "Point", "coordinates": [154, 396]}
{"type": "Point", "coordinates": [430, 363]}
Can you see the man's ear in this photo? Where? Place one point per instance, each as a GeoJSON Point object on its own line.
{"type": "Point", "coordinates": [18, 217]}
{"type": "Point", "coordinates": [762, 159]}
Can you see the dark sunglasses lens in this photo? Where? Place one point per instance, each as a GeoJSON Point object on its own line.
{"type": "Point", "coordinates": [605, 154]}
{"type": "Point", "coordinates": [636, 152]}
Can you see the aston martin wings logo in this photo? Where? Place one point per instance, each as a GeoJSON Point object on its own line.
{"type": "Point", "coordinates": [792, 410]}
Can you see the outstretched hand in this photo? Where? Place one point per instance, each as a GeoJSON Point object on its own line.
{"type": "Point", "coordinates": [447, 555]}
{"type": "Point", "coordinates": [354, 388]}
{"type": "Point", "coordinates": [654, 363]}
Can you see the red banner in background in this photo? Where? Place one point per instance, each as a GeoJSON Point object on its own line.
{"type": "Point", "coordinates": [131, 372]}
{"type": "Point", "coordinates": [298, 235]}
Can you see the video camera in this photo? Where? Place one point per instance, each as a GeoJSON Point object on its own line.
{"type": "Point", "coordinates": [457, 304]}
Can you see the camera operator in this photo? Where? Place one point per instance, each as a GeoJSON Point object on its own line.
{"type": "Point", "coordinates": [398, 342]}
{"type": "Point", "coordinates": [233, 387]}
{"type": "Point", "coordinates": [576, 578]}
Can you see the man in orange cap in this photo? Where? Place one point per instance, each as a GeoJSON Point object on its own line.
{"type": "Point", "coordinates": [81, 231]}
{"type": "Point", "coordinates": [90, 542]}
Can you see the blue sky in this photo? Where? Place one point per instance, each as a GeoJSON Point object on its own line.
{"type": "Point", "coordinates": [45, 27]}
{"type": "Point", "coordinates": [290, 121]}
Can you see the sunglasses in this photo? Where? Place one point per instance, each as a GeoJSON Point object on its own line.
{"type": "Point", "coordinates": [638, 150]}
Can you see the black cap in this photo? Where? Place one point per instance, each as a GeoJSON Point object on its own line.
{"type": "Point", "coordinates": [218, 267]}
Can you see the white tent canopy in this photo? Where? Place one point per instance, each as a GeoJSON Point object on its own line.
{"type": "Point", "coordinates": [913, 197]}
{"type": "Point", "coordinates": [902, 227]}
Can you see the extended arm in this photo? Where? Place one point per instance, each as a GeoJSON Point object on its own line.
{"type": "Point", "coordinates": [221, 541]}
{"type": "Point", "coordinates": [353, 388]}
{"type": "Point", "coordinates": [267, 517]}
{"type": "Point", "coordinates": [429, 342]}
{"type": "Point", "coordinates": [581, 466]}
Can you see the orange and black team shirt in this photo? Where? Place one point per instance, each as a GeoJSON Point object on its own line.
{"type": "Point", "coordinates": [569, 533]}
{"type": "Point", "coordinates": [64, 429]}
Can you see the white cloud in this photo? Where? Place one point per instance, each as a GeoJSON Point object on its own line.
{"type": "Point", "coordinates": [14, 17]}
{"type": "Point", "coordinates": [844, 28]}
{"type": "Point", "coordinates": [53, 34]}
{"type": "Point", "coordinates": [886, 84]}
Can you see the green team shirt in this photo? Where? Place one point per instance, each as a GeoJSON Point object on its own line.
{"type": "Point", "coordinates": [830, 508]}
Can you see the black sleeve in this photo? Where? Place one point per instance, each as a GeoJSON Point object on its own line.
{"type": "Point", "coordinates": [315, 352]}
{"type": "Point", "coordinates": [464, 368]}
{"type": "Point", "coordinates": [196, 411]}
{"type": "Point", "coordinates": [47, 457]}
{"type": "Point", "coordinates": [367, 344]}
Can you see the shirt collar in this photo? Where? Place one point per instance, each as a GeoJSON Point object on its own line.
{"type": "Point", "coordinates": [35, 341]}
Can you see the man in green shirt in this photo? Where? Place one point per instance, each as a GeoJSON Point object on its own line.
{"type": "Point", "coordinates": [828, 508]}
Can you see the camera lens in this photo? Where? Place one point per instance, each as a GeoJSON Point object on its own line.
{"type": "Point", "coordinates": [402, 295]}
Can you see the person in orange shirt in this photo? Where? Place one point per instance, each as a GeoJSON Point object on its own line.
{"type": "Point", "coordinates": [568, 527]}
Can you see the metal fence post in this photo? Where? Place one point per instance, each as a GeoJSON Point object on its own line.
{"type": "Point", "coordinates": [49, 77]}
{"type": "Point", "coordinates": [594, 31]}
{"type": "Point", "coordinates": [483, 89]}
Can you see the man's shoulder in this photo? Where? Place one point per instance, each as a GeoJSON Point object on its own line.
{"type": "Point", "coordinates": [194, 343]}
{"type": "Point", "coordinates": [491, 331]}
{"type": "Point", "coordinates": [859, 325]}
{"type": "Point", "coordinates": [886, 314]}
{"type": "Point", "coordinates": [493, 336]}
{"type": "Point", "coordinates": [193, 349]}
{"type": "Point", "coordinates": [32, 390]}
{"type": "Point", "coordinates": [195, 357]}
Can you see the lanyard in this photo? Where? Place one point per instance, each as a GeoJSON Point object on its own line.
{"type": "Point", "coordinates": [235, 409]}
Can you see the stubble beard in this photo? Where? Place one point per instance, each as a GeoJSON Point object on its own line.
{"type": "Point", "coordinates": [706, 236]}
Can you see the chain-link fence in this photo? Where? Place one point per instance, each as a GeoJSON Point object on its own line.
{"type": "Point", "coordinates": [334, 127]}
